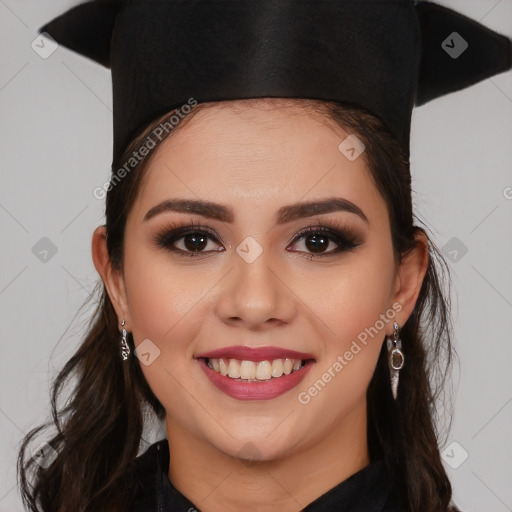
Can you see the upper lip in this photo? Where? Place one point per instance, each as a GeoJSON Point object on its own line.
{"type": "Point", "coordinates": [246, 353]}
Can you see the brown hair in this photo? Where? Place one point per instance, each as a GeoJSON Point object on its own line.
{"type": "Point", "coordinates": [99, 430]}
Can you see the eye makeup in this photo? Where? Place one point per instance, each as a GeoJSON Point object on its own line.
{"type": "Point", "coordinates": [330, 230]}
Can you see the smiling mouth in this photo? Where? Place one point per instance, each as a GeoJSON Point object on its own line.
{"type": "Point", "coordinates": [255, 371]}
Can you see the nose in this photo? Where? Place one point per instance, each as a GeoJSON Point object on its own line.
{"type": "Point", "coordinates": [256, 295]}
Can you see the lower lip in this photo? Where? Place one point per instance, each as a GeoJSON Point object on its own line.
{"type": "Point", "coordinates": [263, 390]}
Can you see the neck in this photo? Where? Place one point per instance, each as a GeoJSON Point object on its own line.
{"type": "Point", "coordinates": [216, 482]}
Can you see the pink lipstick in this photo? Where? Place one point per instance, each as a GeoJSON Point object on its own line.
{"type": "Point", "coordinates": [259, 386]}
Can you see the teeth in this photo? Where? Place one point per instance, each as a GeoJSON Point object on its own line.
{"type": "Point", "coordinates": [233, 369]}
{"type": "Point", "coordinates": [248, 370]}
{"type": "Point", "coordinates": [251, 370]}
{"type": "Point", "coordinates": [277, 367]}
{"type": "Point", "coordinates": [223, 368]}
{"type": "Point", "coordinates": [263, 370]}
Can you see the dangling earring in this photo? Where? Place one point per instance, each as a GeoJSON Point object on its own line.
{"type": "Point", "coordinates": [395, 359]}
{"type": "Point", "coordinates": [125, 349]}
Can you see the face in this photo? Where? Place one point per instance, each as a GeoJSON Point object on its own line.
{"type": "Point", "coordinates": [242, 273]}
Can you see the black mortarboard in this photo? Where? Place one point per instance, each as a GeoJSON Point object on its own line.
{"type": "Point", "coordinates": [384, 55]}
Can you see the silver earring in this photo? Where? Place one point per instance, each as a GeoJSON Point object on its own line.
{"type": "Point", "coordinates": [395, 359]}
{"type": "Point", "coordinates": [125, 349]}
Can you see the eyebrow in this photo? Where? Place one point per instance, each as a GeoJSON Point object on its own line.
{"type": "Point", "coordinates": [284, 214]}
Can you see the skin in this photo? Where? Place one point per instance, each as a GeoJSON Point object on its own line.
{"type": "Point", "coordinates": [256, 160]}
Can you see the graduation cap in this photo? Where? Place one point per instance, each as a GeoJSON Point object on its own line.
{"type": "Point", "coordinates": [384, 55]}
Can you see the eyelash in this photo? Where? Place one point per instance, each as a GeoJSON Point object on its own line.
{"type": "Point", "coordinates": [337, 232]}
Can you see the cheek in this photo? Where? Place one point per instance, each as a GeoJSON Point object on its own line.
{"type": "Point", "coordinates": [352, 298]}
{"type": "Point", "coordinates": [166, 307]}
{"type": "Point", "coordinates": [356, 304]}
{"type": "Point", "coordinates": [162, 297]}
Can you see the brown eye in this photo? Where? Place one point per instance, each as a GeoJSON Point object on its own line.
{"type": "Point", "coordinates": [317, 242]}
{"type": "Point", "coordinates": [322, 242]}
{"type": "Point", "coordinates": [195, 241]}
{"type": "Point", "coordinates": [187, 242]}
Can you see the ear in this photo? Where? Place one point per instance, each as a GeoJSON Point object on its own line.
{"type": "Point", "coordinates": [112, 279]}
{"type": "Point", "coordinates": [409, 278]}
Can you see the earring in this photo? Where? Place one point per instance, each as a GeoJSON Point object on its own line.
{"type": "Point", "coordinates": [125, 349]}
{"type": "Point", "coordinates": [395, 359]}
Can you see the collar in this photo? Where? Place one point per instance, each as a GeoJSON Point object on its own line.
{"type": "Point", "coordinates": [368, 490]}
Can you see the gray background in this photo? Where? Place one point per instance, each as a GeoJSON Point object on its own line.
{"type": "Point", "coordinates": [56, 139]}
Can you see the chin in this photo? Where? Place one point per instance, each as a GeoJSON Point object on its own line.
{"type": "Point", "coordinates": [257, 444]}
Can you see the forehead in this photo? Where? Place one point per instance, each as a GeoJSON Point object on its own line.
{"type": "Point", "coordinates": [250, 154]}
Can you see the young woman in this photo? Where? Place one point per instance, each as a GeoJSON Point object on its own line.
{"type": "Point", "coordinates": [264, 288]}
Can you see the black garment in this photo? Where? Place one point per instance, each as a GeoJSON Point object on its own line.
{"type": "Point", "coordinates": [368, 490]}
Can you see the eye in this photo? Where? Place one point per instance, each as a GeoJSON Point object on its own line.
{"type": "Point", "coordinates": [191, 240]}
{"type": "Point", "coordinates": [322, 241]}
{"type": "Point", "coordinates": [194, 240]}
